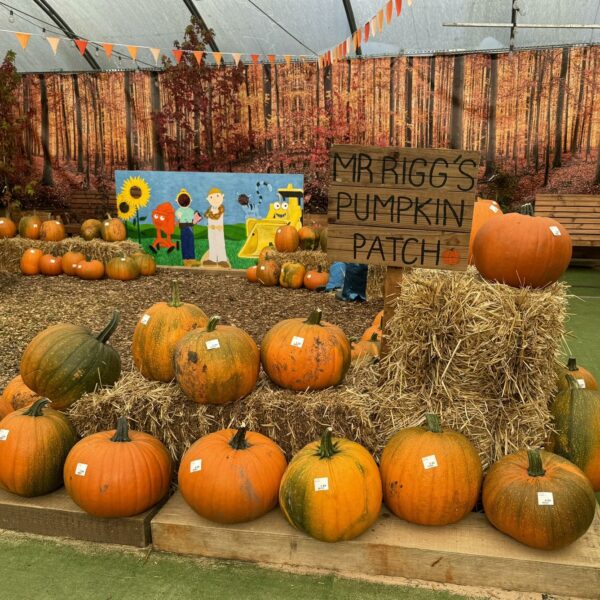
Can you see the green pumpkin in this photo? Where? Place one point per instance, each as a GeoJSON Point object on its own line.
{"type": "Point", "coordinates": [576, 413]}
{"type": "Point", "coordinates": [65, 361]}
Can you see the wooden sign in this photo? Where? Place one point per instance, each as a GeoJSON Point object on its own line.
{"type": "Point", "coordinates": [401, 207]}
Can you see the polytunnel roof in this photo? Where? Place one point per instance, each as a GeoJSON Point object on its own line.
{"type": "Point", "coordinates": [281, 27]}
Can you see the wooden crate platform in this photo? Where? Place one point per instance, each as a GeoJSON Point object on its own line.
{"type": "Point", "coordinates": [57, 515]}
{"type": "Point", "coordinates": [471, 552]}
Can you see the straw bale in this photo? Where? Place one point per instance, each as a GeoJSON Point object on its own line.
{"type": "Point", "coordinates": [311, 259]}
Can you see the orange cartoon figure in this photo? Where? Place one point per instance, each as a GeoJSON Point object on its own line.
{"type": "Point", "coordinates": [163, 217]}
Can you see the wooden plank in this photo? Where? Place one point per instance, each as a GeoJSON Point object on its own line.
{"type": "Point", "coordinates": [471, 552]}
{"type": "Point", "coordinates": [57, 515]}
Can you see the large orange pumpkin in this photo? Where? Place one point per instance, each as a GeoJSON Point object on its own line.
{"type": "Point", "coordinates": [309, 238]}
{"type": "Point", "coordinates": [316, 279]}
{"type": "Point", "coordinates": [118, 473]}
{"type": "Point", "coordinates": [90, 269]}
{"type": "Point", "coordinates": [30, 261]}
{"type": "Point", "coordinates": [91, 229]}
{"type": "Point", "coordinates": [268, 272]}
{"type": "Point", "coordinates": [30, 227]}
{"type": "Point", "coordinates": [483, 211]}
{"type": "Point", "coordinates": [52, 231]}
{"type": "Point", "coordinates": [430, 476]}
{"type": "Point", "coordinates": [539, 499]}
{"type": "Point", "coordinates": [521, 250]}
{"type": "Point", "coordinates": [298, 354]}
{"type": "Point", "coordinates": [157, 333]}
{"type": "Point", "coordinates": [34, 443]}
{"type": "Point", "coordinates": [51, 265]}
{"type": "Point", "coordinates": [8, 229]}
{"type": "Point", "coordinates": [232, 476]}
{"type": "Point", "coordinates": [70, 260]}
{"type": "Point", "coordinates": [252, 274]}
{"type": "Point", "coordinates": [113, 230]}
{"type": "Point", "coordinates": [16, 395]}
{"type": "Point", "coordinates": [292, 275]}
{"type": "Point", "coordinates": [216, 365]}
{"type": "Point", "coordinates": [331, 489]}
{"type": "Point", "coordinates": [146, 264]}
{"type": "Point", "coordinates": [123, 268]}
{"type": "Point", "coordinates": [286, 239]}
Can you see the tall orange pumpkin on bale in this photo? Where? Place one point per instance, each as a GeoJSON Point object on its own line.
{"type": "Point", "coordinates": [113, 230]}
{"type": "Point", "coordinates": [483, 211]}
{"type": "Point", "coordinates": [8, 228]}
{"type": "Point", "coordinates": [52, 231]}
{"type": "Point", "coordinates": [30, 227]}
{"type": "Point", "coordinates": [286, 239]}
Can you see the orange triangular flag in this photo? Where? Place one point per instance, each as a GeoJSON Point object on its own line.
{"type": "Point", "coordinates": [288, 60]}
{"type": "Point", "coordinates": [389, 11]}
{"type": "Point", "coordinates": [82, 45]}
{"type": "Point", "coordinates": [236, 58]}
{"type": "Point", "coordinates": [133, 50]}
{"type": "Point", "coordinates": [373, 26]}
{"type": "Point", "coordinates": [108, 50]}
{"type": "Point", "coordinates": [359, 38]}
{"type": "Point", "coordinates": [199, 55]}
{"type": "Point", "coordinates": [354, 41]}
{"type": "Point", "coordinates": [155, 54]}
{"type": "Point", "coordinates": [398, 7]}
{"type": "Point", "coordinates": [53, 41]}
{"type": "Point", "coordinates": [271, 58]}
{"type": "Point", "coordinates": [254, 58]}
{"type": "Point", "coordinates": [217, 56]}
{"type": "Point", "coordinates": [23, 39]}
{"type": "Point", "coordinates": [367, 25]}
{"type": "Point", "coordinates": [380, 20]}
{"type": "Point", "coordinates": [177, 54]}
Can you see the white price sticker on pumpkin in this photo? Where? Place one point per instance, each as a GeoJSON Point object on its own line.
{"type": "Point", "coordinates": [545, 499]}
{"type": "Point", "coordinates": [297, 341]}
{"type": "Point", "coordinates": [144, 320]}
{"type": "Point", "coordinates": [212, 344]}
{"type": "Point", "coordinates": [581, 383]}
{"type": "Point", "coordinates": [494, 208]}
{"type": "Point", "coordinates": [321, 484]}
{"type": "Point", "coordinates": [555, 230]}
{"type": "Point", "coordinates": [81, 469]}
{"type": "Point", "coordinates": [4, 434]}
{"type": "Point", "coordinates": [196, 465]}
{"type": "Point", "coordinates": [429, 462]}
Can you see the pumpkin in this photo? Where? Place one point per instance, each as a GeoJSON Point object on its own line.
{"type": "Point", "coordinates": [52, 231]}
{"type": "Point", "coordinates": [582, 376]}
{"type": "Point", "coordinates": [323, 239]}
{"type": "Point", "coordinates": [30, 261]}
{"type": "Point", "coordinates": [16, 395]}
{"type": "Point", "coordinates": [30, 227]}
{"type": "Point", "coordinates": [232, 476]}
{"type": "Point", "coordinates": [309, 238]}
{"type": "Point", "coordinates": [252, 274]}
{"type": "Point", "coordinates": [483, 211]}
{"type": "Point", "coordinates": [331, 489]}
{"type": "Point", "coordinates": [65, 361]}
{"type": "Point", "coordinates": [286, 239]}
{"type": "Point", "coordinates": [316, 279]}
{"type": "Point", "coordinates": [268, 272]}
{"type": "Point", "coordinates": [91, 229]}
{"type": "Point", "coordinates": [521, 250]}
{"type": "Point", "coordinates": [8, 229]}
{"type": "Point", "coordinates": [378, 320]}
{"type": "Point", "coordinates": [51, 265]}
{"type": "Point", "coordinates": [113, 230]}
{"type": "Point", "coordinates": [146, 264]}
{"type": "Point", "coordinates": [362, 348]}
{"type": "Point", "coordinates": [298, 354]}
{"type": "Point", "coordinates": [372, 330]}
{"type": "Point", "coordinates": [90, 269]}
{"type": "Point", "coordinates": [292, 275]}
{"type": "Point", "coordinates": [539, 499]}
{"type": "Point", "coordinates": [263, 254]}
{"type": "Point", "coordinates": [118, 473]}
{"type": "Point", "coordinates": [217, 364]}
{"type": "Point", "coordinates": [123, 268]}
{"type": "Point", "coordinates": [157, 333]}
{"type": "Point", "coordinates": [34, 443]}
{"type": "Point", "coordinates": [70, 260]}
{"type": "Point", "coordinates": [576, 413]}
{"type": "Point", "coordinates": [430, 476]}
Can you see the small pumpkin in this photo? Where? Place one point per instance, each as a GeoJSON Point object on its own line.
{"type": "Point", "coordinates": [30, 261]}
{"type": "Point", "coordinates": [378, 320]}
{"type": "Point", "coordinates": [539, 499]}
{"type": "Point", "coordinates": [252, 274]}
{"type": "Point", "coordinates": [51, 265]}
{"type": "Point", "coordinates": [371, 347]}
{"type": "Point", "coordinates": [65, 361]}
{"type": "Point", "coordinates": [232, 476]}
{"type": "Point", "coordinates": [91, 229]}
{"type": "Point", "coordinates": [331, 489]}
{"type": "Point", "coordinates": [8, 229]}
{"type": "Point", "coordinates": [268, 272]}
{"type": "Point", "coordinates": [483, 211]}
{"type": "Point", "coordinates": [52, 231]}
{"type": "Point", "coordinates": [30, 227]}
{"type": "Point", "coordinates": [299, 354]}
{"type": "Point", "coordinates": [113, 230]}
{"type": "Point", "coordinates": [286, 239]}
{"type": "Point", "coordinates": [122, 268]}
{"type": "Point", "coordinates": [316, 279]}
{"type": "Point", "coordinates": [264, 253]}
{"type": "Point", "coordinates": [16, 395]}
{"type": "Point", "coordinates": [430, 476]}
{"type": "Point", "coordinates": [157, 333]}
{"type": "Point", "coordinates": [118, 473]}
{"type": "Point", "coordinates": [292, 275]}
{"type": "Point", "coordinates": [70, 260]}
{"type": "Point", "coordinates": [90, 269]}
{"type": "Point", "coordinates": [373, 329]}
{"type": "Point", "coordinates": [216, 365]}
{"type": "Point", "coordinates": [323, 239]}
{"type": "Point", "coordinates": [34, 444]}
{"type": "Point", "coordinates": [309, 238]}
{"type": "Point", "coordinates": [582, 376]}
{"type": "Point", "coordinates": [146, 264]}
{"type": "Point", "coordinates": [576, 413]}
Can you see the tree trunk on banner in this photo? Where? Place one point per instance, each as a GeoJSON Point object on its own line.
{"type": "Point", "coordinates": [392, 121]}
{"type": "Point", "coordinates": [408, 116]}
{"type": "Point", "coordinates": [560, 105]}
{"type": "Point", "coordinates": [268, 105]}
{"type": "Point", "coordinates": [78, 123]}
{"type": "Point", "coordinates": [128, 121]}
{"type": "Point", "coordinates": [578, 119]}
{"type": "Point", "coordinates": [490, 158]}
{"type": "Point", "coordinates": [456, 118]}
{"type": "Point", "coordinates": [158, 162]}
{"type": "Point", "coordinates": [47, 173]}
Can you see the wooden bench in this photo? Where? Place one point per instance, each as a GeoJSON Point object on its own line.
{"type": "Point", "coordinates": [82, 205]}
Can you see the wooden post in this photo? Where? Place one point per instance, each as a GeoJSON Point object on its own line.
{"type": "Point", "coordinates": [393, 278]}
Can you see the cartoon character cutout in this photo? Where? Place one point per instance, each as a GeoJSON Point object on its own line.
{"type": "Point", "coordinates": [187, 218]}
{"type": "Point", "coordinates": [217, 253]}
{"type": "Point", "coordinates": [163, 218]}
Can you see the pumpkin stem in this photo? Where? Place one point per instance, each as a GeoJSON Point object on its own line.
{"type": "Point", "coordinates": [238, 441]}
{"type": "Point", "coordinates": [122, 432]}
{"type": "Point", "coordinates": [572, 364]}
{"type": "Point", "coordinates": [110, 328]}
{"type": "Point", "coordinates": [526, 209]}
{"type": "Point", "coordinates": [433, 423]}
{"type": "Point", "coordinates": [315, 317]}
{"type": "Point", "coordinates": [327, 448]}
{"type": "Point", "coordinates": [175, 299]}
{"type": "Point", "coordinates": [374, 337]}
{"type": "Point", "coordinates": [35, 410]}
{"type": "Point", "coordinates": [212, 323]}
{"type": "Point", "coordinates": [535, 463]}
{"type": "Point", "coordinates": [319, 269]}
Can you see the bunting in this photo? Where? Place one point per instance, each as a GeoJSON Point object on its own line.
{"type": "Point", "coordinates": [236, 58]}
{"type": "Point", "coordinates": [155, 54]}
{"type": "Point", "coordinates": [389, 11]}
{"type": "Point", "coordinates": [82, 45]}
{"type": "Point", "coordinates": [133, 51]}
{"type": "Point", "coordinates": [108, 48]}
{"type": "Point", "coordinates": [53, 41]}
{"type": "Point", "coordinates": [198, 55]}
{"type": "Point", "coordinates": [271, 58]}
{"type": "Point", "coordinates": [254, 58]}
{"type": "Point", "coordinates": [23, 39]}
{"type": "Point", "coordinates": [217, 56]}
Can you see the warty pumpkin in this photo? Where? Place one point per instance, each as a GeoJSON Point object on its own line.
{"type": "Point", "coordinates": [52, 231]}
{"type": "Point", "coordinates": [232, 476]}
{"type": "Point", "coordinates": [292, 275]}
{"type": "Point", "coordinates": [16, 395]}
{"type": "Point", "coordinates": [364, 348]}
{"type": "Point", "coordinates": [90, 269]}
{"type": "Point", "coordinates": [30, 227]}
{"type": "Point", "coordinates": [216, 365]}
{"type": "Point", "coordinates": [8, 229]}
{"type": "Point", "coordinates": [300, 354]}
{"type": "Point", "coordinates": [157, 333]}
{"type": "Point", "coordinates": [65, 361]}
{"type": "Point", "coordinates": [252, 274]}
{"type": "Point", "coordinates": [268, 272]}
{"type": "Point", "coordinates": [286, 239]}
{"type": "Point", "coordinates": [483, 211]}
{"type": "Point", "coordinates": [30, 261]}
{"type": "Point", "coordinates": [50, 265]}
{"type": "Point", "coordinates": [123, 268]}
{"type": "Point", "coordinates": [308, 237]}
{"type": "Point", "coordinates": [539, 499]}
{"type": "Point", "coordinates": [118, 473]}
{"type": "Point", "coordinates": [331, 489]}
{"type": "Point", "coordinates": [34, 443]}
{"type": "Point", "coordinates": [113, 230]}
{"type": "Point", "coordinates": [264, 253]}
{"type": "Point", "coordinates": [145, 263]}
{"type": "Point", "coordinates": [582, 376]}
{"type": "Point", "coordinates": [91, 229]}
{"type": "Point", "coordinates": [70, 260]}
{"type": "Point", "coordinates": [316, 279]}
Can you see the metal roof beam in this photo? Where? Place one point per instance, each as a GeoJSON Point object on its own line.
{"type": "Point", "coordinates": [196, 13]}
{"type": "Point", "coordinates": [351, 21]}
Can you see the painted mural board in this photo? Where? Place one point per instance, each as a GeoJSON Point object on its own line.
{"type": "Point", "coordinates": [214, 220]}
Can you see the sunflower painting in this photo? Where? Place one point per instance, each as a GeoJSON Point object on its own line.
{"type": "Point", "coordinates": [134, 194]}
